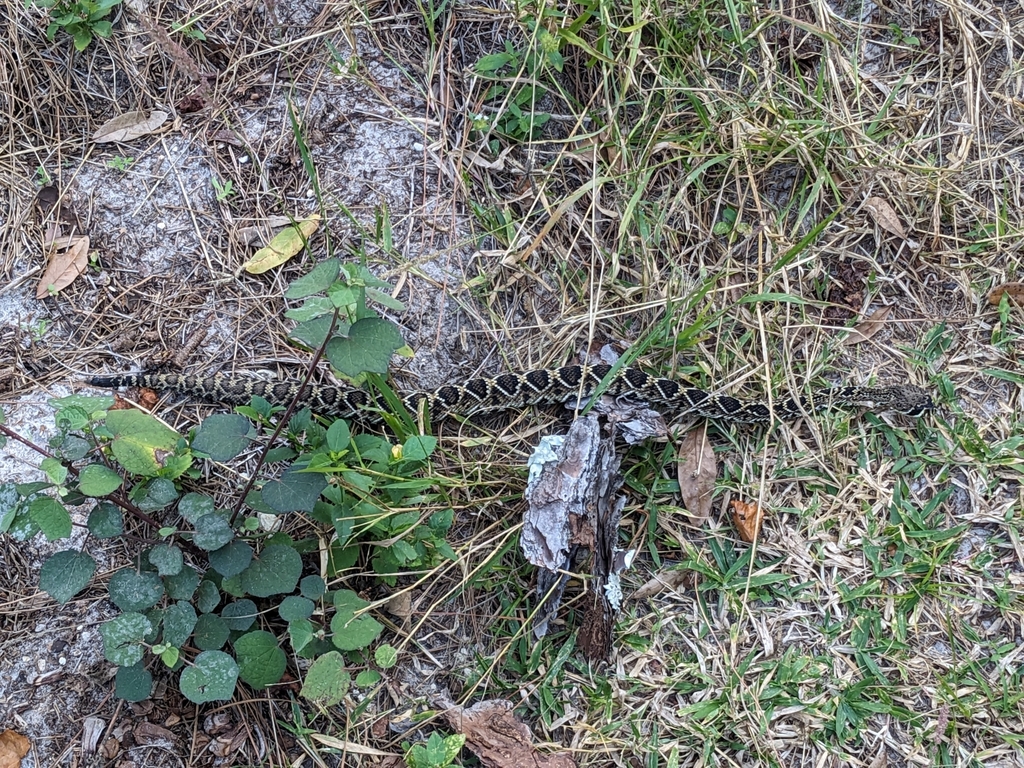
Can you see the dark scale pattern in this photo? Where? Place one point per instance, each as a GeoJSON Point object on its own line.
{"type": "Point", "coordinates": [516, 390]}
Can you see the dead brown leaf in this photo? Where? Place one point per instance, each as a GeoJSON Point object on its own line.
{"type": "Point", "coordinates": [697, 470]}
{"type": "Point", "coordinates": [13, 747]}
{"type": "Point", "coordinates": [1014, 290]}
{"type": "Point", "coordinates": [151, 733]}
{"type": "Point", "coordinates": [670, 579]}
{"type": "Point", "coordinates": [129, 126]}
{"type": "Point", "coordinates": [64, 267]}
{"type": "Point", "coordinates": [499, 740]}
{"type": "Point", "coordinates": [868, 327]}
{"type": "Point", "coordinates": [400, 605]}
{"type": "Point", "coordinates": [885, 216]}
{"type": "Point", "coordinates": [747, 518]}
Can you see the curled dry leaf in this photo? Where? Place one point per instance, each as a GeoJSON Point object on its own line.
{"type": "Point", "coordinates": [129, 126]}
{"type": "Point", "coordinates": [696, 469]}
{"type": "Point", "coordinates": [670, 579]}
{"type": "Point", "coordinates": [64, 267]}
{"type": "Point", "coordinates": [285, 244]}
{"type": "Point", "coordinates": [868, 327]}
{"type": "Point", "coordinates": [885, 216]}
{"type": "Point", "coordinates": [747, 518]}
{"type": "Point", "coordinates": [1015, 291]}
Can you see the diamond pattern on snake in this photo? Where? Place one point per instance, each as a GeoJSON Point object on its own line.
{"type": "Point", "coordinates": [515, 391]}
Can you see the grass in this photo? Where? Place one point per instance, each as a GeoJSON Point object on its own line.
{"type": "Point", "coordinates": [696, 199]}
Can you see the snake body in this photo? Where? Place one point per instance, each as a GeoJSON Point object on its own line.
{"type": "Point", "coordinates": [508, 391]}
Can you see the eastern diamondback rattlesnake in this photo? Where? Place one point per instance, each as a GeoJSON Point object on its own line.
{"type": "Point", "coordinates": [519, 390]}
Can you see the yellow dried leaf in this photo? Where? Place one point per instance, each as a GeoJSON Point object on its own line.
{"type": "Point", "coordinates": [129, 126]}
{"type": "Point", "coordinates": [284, 246]}
{"type": "Point", "coordinates": [64, 267]}
{"type": "Point", "coordinates": [885, 216]}
{"type": "Point", "coordinates": [696, 470]}
{"type": "Point", "coordinates": [868, 327]}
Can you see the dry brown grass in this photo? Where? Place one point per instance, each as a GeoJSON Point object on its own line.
{"type": "Point", "coordinates": [699, 197]}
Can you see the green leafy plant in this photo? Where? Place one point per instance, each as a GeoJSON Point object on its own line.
{"type": "Point", "coordinates": [223, 189]}
{"type": "Point", "coordinates": [120, 163]}
{"type": "Point", "coordinates": [82, 19]}
{"type": "Point", "coordinates": [438, 752]}
{"type": "Point", "coordinates": [516, 89]}
{"type": "Point", "coordinates": [190, 29]}
{"type": "Point", "coordinates": [217, 592]}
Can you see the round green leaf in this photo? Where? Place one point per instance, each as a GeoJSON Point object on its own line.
{"type": "Point", "coordinates": [211, 632]}
{"type": "Point", "coordinates": [275, 571]}
{"type": "Point", "coordinates": [326, 681]}
{"type": "Point", "coordinates": [142, 443]}
{"type": "Point", "coordinates": [134, 591]}
{"type": "Point", "coordinates": [105, 520]}
{"type": "Point", "coordinates": [239, 615]}
{"type": "Point", "coordinates": [295, 492]}
{"type": "Point", "coordinates": [65, 574]}
{"type": "Point", "coordinates": [74, 448]}
{"type": "Point", "coordinates": [167, 558]}
{"type": "Point", "coordinates": [352, 632]}
{"type": "Point", "coordinates": [211, 678]}
{"type": "Point", "coordinates": [182, 585]}
{"type": "Point", "coordinates": [98, 480]}
{"type": "Point", "coordinates": [232, 585]}
{"type": "Point", "coordinates": [312, 587]}
{"type": "Point", "coordinates": [231, 559]}
{"type": "Point", "coordinates": [294, 607]}
{"type": "Point", "coordinates": [122, 638]}
{"type": "Point", "coordinates": [194, 505]}
{"type": "Point", "coordinates": [208, 597]}
{"type": "Point", "coordinates": [212, 532]}
{"type": "Point", "coordinates": [156, 494]}
{"type": "Point", "coordinates": [179, 621]}
{"type": "Point", "coordinates": [222, 436]}
{"type": "Point", "coordinates": [133, 683]}
{"type": "Point", "coordinates": [368, 677]}
{"type": "Point", "coordinates": [386, 656]}
{"type": "Point", "coordinates": [367, 348]}
{"type": "Point", "coordinates": [260, 661]}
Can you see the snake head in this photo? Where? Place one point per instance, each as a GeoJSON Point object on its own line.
{"type": "Point", "coordinates": [913, 401]}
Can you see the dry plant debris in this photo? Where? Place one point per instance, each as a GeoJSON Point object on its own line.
{"type": "Point", "coordinates": [697, 471]}
{"type": "Point", "coordinates": [130, 125]}
{"type": "Point", "coordinates": [747, 517]}
{"type": "Point", "coordinates": [868, 327]}
{"type": "Point", "coordinates": [13, 747]}
{"type": "Point", "coordinates": [69, 260]}
{"type": "Point", "coordinates": [499, 739]}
